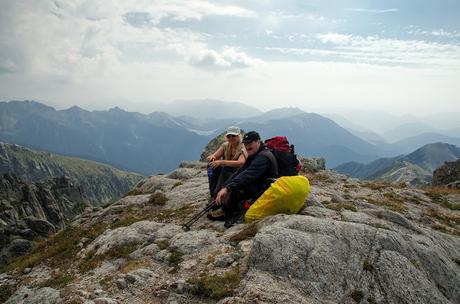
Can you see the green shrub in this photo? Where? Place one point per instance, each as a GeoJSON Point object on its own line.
{"type": "Point", "coordinates": [216, 286]}
{"type": "Point", "coordinates": [162, 244]}
{"type": "Point", "coordinates": [340, 206]}
{"type": "Point", "coordinates": [91, 260]}
{"type": "Point", "coordinates": [57, 280]}
{"type": "Point", "coordinates": [158, 198]}
{"type": "Point", "coordinates": [357, 295]}
{"type": "Point", "coordinates": [175, 258]}
{"type": "Point", "coordinates": [367, 265]}
{"type": "Point", "coordinates": [6, 291]}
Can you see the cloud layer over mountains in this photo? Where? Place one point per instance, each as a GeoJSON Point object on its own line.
{"type": "Point", "coordinates": [397, 57]}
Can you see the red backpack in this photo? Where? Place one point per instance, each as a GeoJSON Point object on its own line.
{"type": "Point", "coordinates": [279, 143]}
{"type": "Point", "coordinates": [287, 161]}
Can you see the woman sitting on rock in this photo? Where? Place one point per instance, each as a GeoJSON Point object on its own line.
{"type": "Point", "coordinates": [230, 156]}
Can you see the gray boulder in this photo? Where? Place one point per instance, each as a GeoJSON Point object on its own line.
{"type": "Point", "coordinates": [27, 295]}
{"type": "Point", "coordinates": [312, 164]}
{"type": "Point", "coordinates": [336, 260]}
{"type": "Point", "coordinates": [449, 173]}
{"type": "Point", "coordinates": [16, 248]}
{"type": "Point", "coordinates": [39, 226]}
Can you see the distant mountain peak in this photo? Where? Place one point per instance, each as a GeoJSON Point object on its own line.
{"type": "Point", "coordinates": [209, 108]}
{"type": "Point", "coordinates": [420, 164]}
{"type": "Point", "coordinates": [116, 109]}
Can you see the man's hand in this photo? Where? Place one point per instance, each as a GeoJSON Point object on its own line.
{"type": "Point", "coordinates": [221, 196]}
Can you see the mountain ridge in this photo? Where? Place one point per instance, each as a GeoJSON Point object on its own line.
{"type": "Point", "coordinates": [100, 182]}
{"type": "Point", "coordinates": [424, 160]}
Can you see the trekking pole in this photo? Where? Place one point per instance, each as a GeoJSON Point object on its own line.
{"type": "Point", "coordinates": [197, 216]}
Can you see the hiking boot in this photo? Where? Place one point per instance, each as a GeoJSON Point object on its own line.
{"type": "Point", "coordinates": [216, 215]}
{"type": "Point", "coordinates": [238, 219]}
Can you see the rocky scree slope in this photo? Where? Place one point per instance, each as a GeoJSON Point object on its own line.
{"type": "Point", "coordinates": [354, 242]}
{"type": "Point", "coordinates": [32, 210]}
{"type": "Point", "coordinates": [100, 183]}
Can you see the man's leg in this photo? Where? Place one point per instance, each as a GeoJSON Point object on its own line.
{"type": "Point", "coordinates": [233, 206]}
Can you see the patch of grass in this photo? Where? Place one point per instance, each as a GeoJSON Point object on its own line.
{"type": "Point", "coordinates": [131, 265]}
{"type": "Point", "coordinates": [350, 186]}
{"type": "Point", "coordinates": [340, 206]}
{"type": "Point", "coordinates": [438, 197]}
{"type": "Point", "coordinates": [318, 178]}
{"type": "Point", "coordinates": [57, 250]}
{"type": "Point", "coordinates": [91, 260]}
{"type": "Point", "coordinates": [371, 300]}
{"type": "Point", "coordinates": [245, 233]}
{"type": "Point", "coordinates": [391, 201]}
{"type": "Point", "coordinates": [441, 190]}
{"type": "Point", "coordinates": [176, 185]}
{"type": "Point", "coordinates": [172, 214]}
{"type": "Point", "coordinates": [415, 263]}
{"type": "Point", "coordinates": [216, 286]}
{"type": "Point", "coordinates": [132, 192]}
{"type": "Point", "coordinates": [357, 295]}
{"type": "Point", "coordinates": [151, 213]}
{"type": "Point", "coordinates": [6, 291]}
{"type": "Point", "coordinates": [106, 282]}
{"type": "Point", "coordinates": [377, 185]}
{"type": "Point", "coordinates": [445, 229]}
{"type": "Point", "coordinates": [57, 280]}
{"type": "Point", "coordinates": [451, 220]}
{"type": "Point", "coordinates": [367, 265]}
{"type": "Point", "coordinates": [124, 221]}
{"type": "Point", "coordinates": [158, 198]}
{"type": "Point", "coordinates": [162, 244]}
{"type": "Point", "coordinates": [415, 200]}
{"type": "Point", "coordinates": [175, 258]}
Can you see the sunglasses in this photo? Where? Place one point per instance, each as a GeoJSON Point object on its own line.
{"type": "Point", "coordinates": [231, 135]}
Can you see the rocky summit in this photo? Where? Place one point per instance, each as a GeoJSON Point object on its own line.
{"type": "Point", "coordinates": [353, 242]}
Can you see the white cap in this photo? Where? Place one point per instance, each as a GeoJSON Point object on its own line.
{"type": "Point", "coordinates": [233, 131]}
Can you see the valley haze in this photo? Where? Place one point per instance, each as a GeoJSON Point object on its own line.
{"type": "Point", "coordinates": [158, 141]}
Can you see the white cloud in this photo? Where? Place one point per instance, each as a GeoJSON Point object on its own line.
{"type": "Point", "coordinates": [378, 50]}
{"type": "Point", "coordinates": [334, 38]}
{"type": "Point", "coordinates": [375, 11]}
{"type": "Point", "coordinates": [230, 57]}
{"type": "Point", "coordinates": [437, 33]}
{"type": "Point", "coordinates": [71, 40]}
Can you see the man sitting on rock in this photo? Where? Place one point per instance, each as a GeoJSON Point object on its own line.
{"type": "Point", "coordinates": [248, 182]}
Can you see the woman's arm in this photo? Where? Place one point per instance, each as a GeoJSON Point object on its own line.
{"type": "Point", "coordinates": [216, 155]}
{"type": "Point", "coordinates": [230, 163]}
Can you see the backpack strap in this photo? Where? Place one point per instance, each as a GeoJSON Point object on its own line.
{"type": "Point", "coordinates": [274, 164]}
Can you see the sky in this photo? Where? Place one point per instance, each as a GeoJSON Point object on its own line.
{"type": "Point", "coordinates": [396, 56]}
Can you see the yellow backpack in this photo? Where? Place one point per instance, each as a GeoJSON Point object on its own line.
{"type": "Point", "coordinates": [286, 195]}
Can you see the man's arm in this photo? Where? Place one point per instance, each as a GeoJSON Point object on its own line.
{"type": "Point", "coordinates": [256, 169]}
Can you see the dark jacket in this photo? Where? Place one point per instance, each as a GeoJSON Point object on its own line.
{"type": "Point", "coordinates": [252, 177]}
